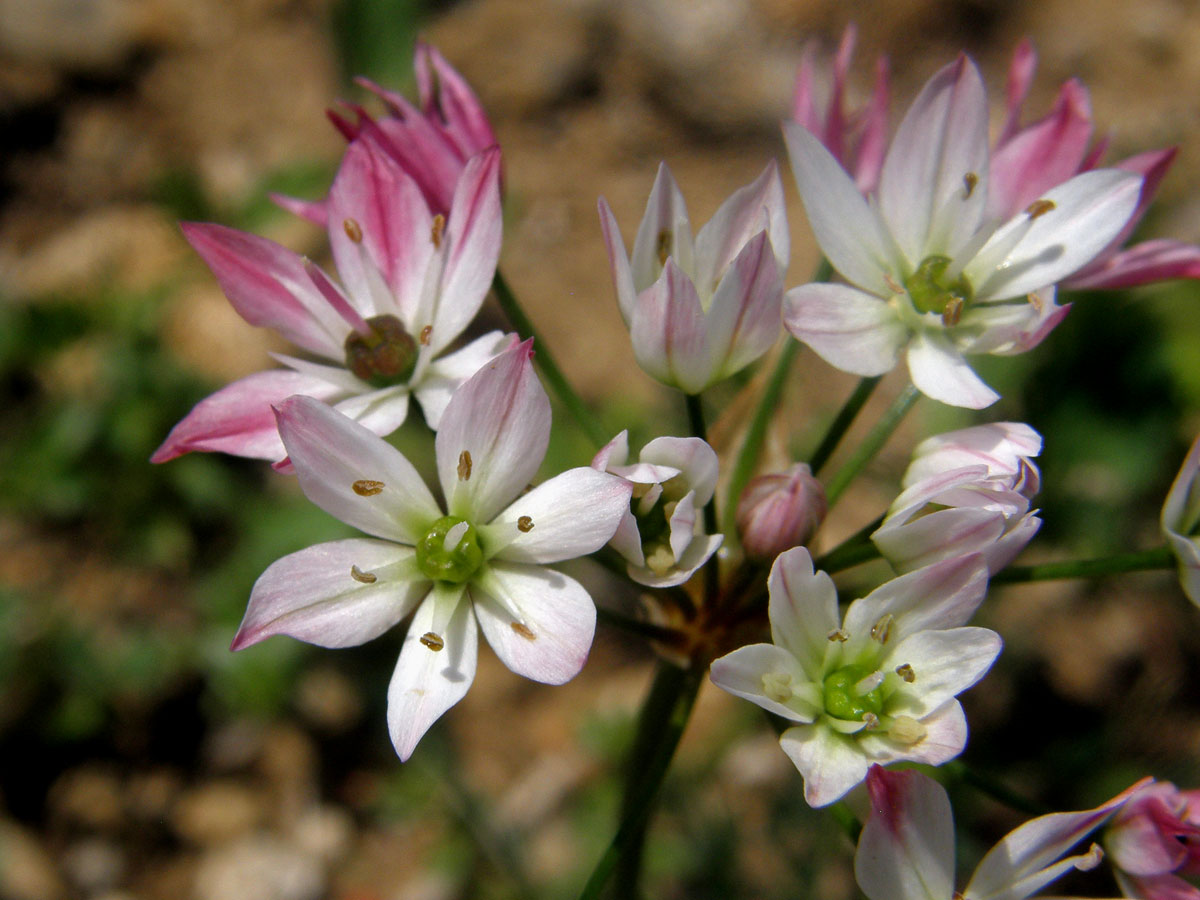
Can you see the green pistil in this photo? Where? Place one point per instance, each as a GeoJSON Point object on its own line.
{"type": "Point", "coordinates": [386, 356]}
{"type": "Point", "coordinates": [455, 559]}
{"type": "Point", "coordinates": [931, 293]}
{"type": "Point", "coordinates": [842, 701]}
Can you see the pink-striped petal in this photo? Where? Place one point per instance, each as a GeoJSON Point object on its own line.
{"type": "Point", "coordinates": [1145, 263]}
{"type": "Point", "coordinates": [757, 207]}
{"type": "Point", "coordinates": [872, 144]}
{"type": "Point", "coordinates": [742, 322]}
{"type": "Point", "coordinates": [493, 436]}
{"type": "Point", "coordinates": [849, 329]}
{"type": "Point", "coordinates": [1016, 87]}
{"type": "Point", "coordinates": [452, 98]}
{"type": "Point", "coordinates": [472, 247]}
{"type": "Point", "coordinates": [618, 261]}
{"type": "Point", "coordinates": [933, 187]}
{"type": "Point", "coordinates": [668, 332]}
{"type": "Point", "coordinates": [944, 595]}
{"type": "Point", "coordinates": [574, 513]}
{"type": "Point", "coordinates": [665, 231]}
{"type": "Point", "coordinates": [427, 682]}
{"type": "Point", "coordinates": [447, 373]}
{"type": "Point", "coordinates": [238, 419]}
{"type": "Point", "coordinates": [268, 286]}
{"type": "Point", "coordinates": [354, 474]}
{"type": "Point", "coordinates": [339, 594]}
{"type": "Point", "coordinates": [539, 622]}
{"type": "Point", "coordinates": [906, 849]}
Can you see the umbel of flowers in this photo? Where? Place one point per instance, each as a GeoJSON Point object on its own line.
{"type": "Point", "coordinates": [944, 243]}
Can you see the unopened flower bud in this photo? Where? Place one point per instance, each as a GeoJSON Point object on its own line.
{"type": "Point", "coordinates": [780, 511]}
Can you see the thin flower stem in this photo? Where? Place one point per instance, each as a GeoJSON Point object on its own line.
{"type": "Point", "coordinates": [852, 551]}
{"type": "Point", "coordinates": [994, 788]}
{"type": "Point", "coordinates": [1140, 561]}
{"type": "Point", "coordinates": [756, 433]}
{"type": "Point", "coordinates": [663, 718]}
{"type": "Point", "coordinates": [634, 626]}
{"type": "Point", "coordinates": [712, 572]}
{"type": "Point", "coordinates": [842, 422]}
{"type": "Point", "coordinates": [542, 358]}
{"type": "Point", "coordinates": [871, 444]}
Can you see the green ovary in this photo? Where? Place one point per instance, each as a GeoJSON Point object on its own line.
{"type": "Point", "coordinates": [455, 558]}
{"type": "Point", "coordinates": [841, 699]}
{"type": "Point", "coordinates": [931, 292]}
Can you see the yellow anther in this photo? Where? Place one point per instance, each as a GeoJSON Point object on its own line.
{"type": "Point", "coordinates": [897, 287]}
{"type": "Point", "coordinates": [970, 180]}
{"type": "Point", "coordinates": [1035, 300]}
{"type": "Point", "coordinates": [664, 246]}
{"type": "Point", "coordinates": [365, 487]}
{"type": "Point", "coordinates": [439, 226]}
{"type": "Point", "coordinates": [906, 672]}
{"type": "Point", "coordinates": [464, 466]}
{"type": "Point", "coordinates": [353, 230]}
{"type": "Point", "coordinates": [838, 635]}
{"type": "Point", "coordinates": [953, 311]}
{"type": "Point", "coordinates": [871, 721]}
{"type": "Point", "coordinates": [906, 730]}
{"type": "Point", "coordinates": [660, 559]}
{"type": "Point", "coordinates": [777, 686]}
{"type": "Point", "coordinates": [365, 577]}
{"type": "Point", "coordinates": [433, 641]}
{"type": "Point", "coordinates": [524, 524]}
{"type": "Point", "coordinates": [423, 337]}
{"type": "Point", "coordinates": [882, 630]}
{"type": "Point", "coordinates": [523, 631]}
{"type": "Point", "coordinates": [1039, 208]}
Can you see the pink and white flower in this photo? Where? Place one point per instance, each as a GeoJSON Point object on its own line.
{"type": "Point", "coordinates": [1154, 840]}
{"type": "Point", "coordinates": [966, 491]}
{"type": "Point", "coordinates": [779, 511]}
{"type": "Point", "coordinates": [879, 686]}
{"type": "Point", "coordinates": [931, 272]}
{"type": "Point", "coordinates": [1180, 522]}
{"type": "Point", "coordinates": [857, 140]}
{"type": "Point", "coordinates": [906, 849]}
{"type": "Point", "coordinates": [412, 280]}
{"type": "Point", "coordinates": [479, 563]}
{"type": "Point", "coordinates": [661, 535]}
{"type": "Point", "coordinates": [700, 310]}
{"type": "Point", "coordinates": [1028, 161]}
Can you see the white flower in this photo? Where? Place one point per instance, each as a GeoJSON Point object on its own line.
{"type": "Point", "coordinates": [929, 271]}
{"type": "Point", "coordinates": [879, 687]}
{"type": "Point", "coordinates": [482, 560]}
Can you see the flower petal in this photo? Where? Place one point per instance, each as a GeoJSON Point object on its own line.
{"type": "Point", "coordinates": [933, 187]}
{"type": "Point", "coordinates": [428, 682]}
{"type": "Point", "coordinates": [850, 233]}
{"type": "Point", "coordinates": [268, 286]}
{"type": "Point", "coordinates": [665, 231]}
{"type": "Point", "coordinates": [353, 474]}
{"type": "Point", "coordinates": [944, 663]}
{"type": "Point", "coordinates": [1088, 211]}
{"type": "Point", "coordinates": [944, 595]}
{"type": "Point", "coordinates": [699, 549]}
{"type": "Point", "coordinates": [742, 322]}
{"type": "Point", "coordinates": [741, 673]}
{"type": "Point", "coordinates": [906, 849]}
{"type": "Point", "coordinates": [941, 534]}
{"type": "Point", "coordinates": [493, 436]}
{"type": "Point", "coordinates": [238, 418]}
{"type": "Point", "coordinates": [573, 514]}
{"type": "Point", "coordinates": [939, 371]}
{"type": "Point", "coordinates": [851, 330]}
{"type": "Point", "coordinates": [694, 458]}
{"type": "Point", "coordinates": [338, 594]}
{"type": "Point", "coordinates": [757, 207]}
{"type": "Point", "coordinates": [540, 622]}
{"type": "Point", "coordinates": [830, 763]}
{"type": "Point", "coordinates": [803, 610]}
{"type": "Point", "coordinates": [618, 262]}
{"type": "Point", "coordinates": [1144, 263]}
{"type": "Point", "coordinates": [472, 246]}
{"type": "Point", "coordinates": [450, 96]}
{"type": "Point", "coordinates": [446, 374]}
{"type": "Point", "coordinates": [668, 332]}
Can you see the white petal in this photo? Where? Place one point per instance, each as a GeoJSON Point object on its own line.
{"type": "Point", "coordinates": [664, 228]}
{"type": "Point", "coordinates": [314, 596]}
{"type": "Point", "coordinates": [742, 322]}
{"type": "Point", "coordinates": [1089, 210]}
{"type": "Point", "coordinates": [944, 663]}
{"type": "Point", "coordinates": [759, 206]}
{"type": "Point", "coordinates": [381, 411]}
{"type": "Point", "coordinates": [572, 514]}
{"type": "Point", "coordinates": [803, 609]}
{"type": "Point", "coordinates": [939, 371]}
{"type": "Point", "coordinates": [906, 849]}
{"type": "Point", "coordinates": [830, 763]}
{"type": "Point", "coordinates": [353, 474]}
{"type": "Point", "coordinates": [694, 458]}
{"type": "Point", "coordinates": [851, 330]}
{"type": "Point", "coordinates": [696, 555]}
{"type": "Point", "coordinates": [923, 195]}
{"type": "Point", "coordinates": [549, 637]}
{"type": "Point", "coordinates": [494, 432]}
{"type": "Point", "coordinates": [942, 534]}
{"type": "Point", "coordinates": [446, 374]}
{"type": "Point", "coordinates": [850, 233]}
{"type": "Point", "coordinates": [741, 674]}
{"type": "Point", "coordinates": [618, 262]}
{"type": "Point", "coordinates": [428, 682]}
{"type": "Point", "coordinates": [668, 332]}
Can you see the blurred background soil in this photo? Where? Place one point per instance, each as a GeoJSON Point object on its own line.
{"type": "Point", "coordinates": [140, 760]}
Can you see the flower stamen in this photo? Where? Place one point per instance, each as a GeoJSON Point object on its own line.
{"type": "Point", "coordinates": [432, 640]}
{"type": "Point", "coordinates": [364, 577]}
{"type": "Point", "coordinates": [366, 487]}
{"type": "Point", "coordinates": [464, 466]}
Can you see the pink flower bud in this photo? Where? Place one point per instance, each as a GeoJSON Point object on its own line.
{"type": "Point", "coordinates": [780, 511]}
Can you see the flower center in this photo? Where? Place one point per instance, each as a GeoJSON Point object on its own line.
{"type": "Point", "coordinates": [932, 292]}
{"type": "Point", "coordinates": [385, 356]}
{"type": "Point", "coordinates": [653, 510]}
{"type": "Point", "coordinates": [450, 550]}
{"type": "Point", "coordinates": [852, 692]}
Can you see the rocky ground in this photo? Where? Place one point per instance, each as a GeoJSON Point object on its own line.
{"type": "Point", "coordinates": [119, 116]}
